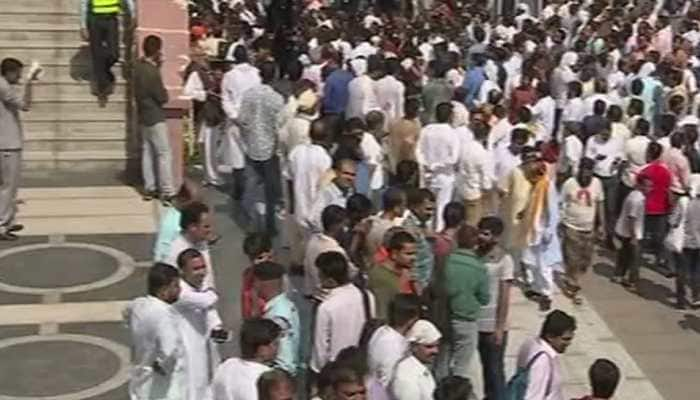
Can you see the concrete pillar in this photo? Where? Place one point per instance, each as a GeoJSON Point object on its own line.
{"type": "Point", "coordinates": [169, 20]}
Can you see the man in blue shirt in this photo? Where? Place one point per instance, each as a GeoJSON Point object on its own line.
{"type": "Point", "coordinates": [269, 283]}
{"type": "Point", "coordinates": [474, 78]}
{"type": "Point", "coordinates": [335, 90]}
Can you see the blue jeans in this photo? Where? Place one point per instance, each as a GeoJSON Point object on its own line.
{"type": "Point", "coordinates": [456, 353]}
{"type": "Point", "coordinates": [493, 368]}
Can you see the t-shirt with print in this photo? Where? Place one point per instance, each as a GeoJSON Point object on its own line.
{"type": "Point", "coordinates": [499, 266]}
{"type": "Point", "coordinates": [579, 203]}
{"type": "Point", "coordinates": [633, 207]}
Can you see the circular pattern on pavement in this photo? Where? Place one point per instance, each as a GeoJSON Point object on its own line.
{"type": "Point", "coordinates": [83, 266]}
{"type": "Point", "coordinates": [38, 268]}
{"type": "Point", "coordinates": [47, 367]}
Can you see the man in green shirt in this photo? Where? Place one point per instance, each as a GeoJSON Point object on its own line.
{"type": "Point", "coordinates": [385, 280]}
{"type": "Point", "coordinates": [467, 287]}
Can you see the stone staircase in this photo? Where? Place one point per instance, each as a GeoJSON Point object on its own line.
{"type": "Point", "coordinates": [66, 129]}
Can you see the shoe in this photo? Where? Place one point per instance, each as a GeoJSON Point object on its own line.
{"type": "Point", "coordinates": [545, 304]}
{"type": "Point", "coordinates": [695, 302]}
{"type": "Point", "coordinates": [149, 195]}
{"type": "Point", "coordinates": [617, 279]}
{"type": "Point", "coordinates": [682, 305]}
{"type": "Point", "coordinates": [15, 228]}
{"type": "Point", "coordinates": [167, 201]}
{"type": "Point", "coordinates": [8, 236]}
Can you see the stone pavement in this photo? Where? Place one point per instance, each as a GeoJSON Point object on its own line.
{"type": "Point", "coordinates": [86, 252]}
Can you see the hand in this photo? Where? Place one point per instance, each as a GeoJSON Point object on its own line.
{"type": "Point", "coordinates": [84, 34]}
{"type": "Point", "coordinates": [35, 74]}
{"type": "Point", "coordinates": [497, 337]}
{"type": "Point", "coordinates": [157, 369]}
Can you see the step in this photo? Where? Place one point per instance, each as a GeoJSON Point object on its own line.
{"type": "Point", "coordinates": [114, 110]}
{"type": "Point", "coordinates": [86, 207]}
{"type": "Point", "coordinates": [49, 91]}
{"type": "Point", "coordinates": [94, 144]}
{"type": "Point", "coordinates": [80, 71]}
{"type": "Point", "coordinates": [40, 6]}
{"type": "Point", "coordinates": [32, 21]}
{"type": "Point", "coordinates": [85, 192]}
{"type": "Point", "coordinates": [48, 52]}
{"type": "Point", "coordinates": [74, 155]}
{"type": "Point", "coordinates": [44, 165]}
{"type": "Point", "coordinates": [70, 36]}
{"type": "Point", "coordinates": [35, 130]}
{"type": "Point", "coordinates": [103, 224]}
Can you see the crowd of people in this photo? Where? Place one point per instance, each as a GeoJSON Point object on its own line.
{"type": "Point", "coordinates": [419, 161]}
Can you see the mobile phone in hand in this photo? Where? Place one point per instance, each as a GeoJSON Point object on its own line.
{"type": "Point", "coordinates": [220, 335]}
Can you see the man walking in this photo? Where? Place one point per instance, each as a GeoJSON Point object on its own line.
{"type": "Point", "coordinates": [99, 25]}
{"type": "Point", "coordinates": [11, 102]}
{"type": "Point", "coordinates": [260, 120]}
{"type": "Point", "coordinates": [151, 96]}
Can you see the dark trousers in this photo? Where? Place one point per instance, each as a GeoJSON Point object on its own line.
{"type": "Point", "coordinates": [687, 268]}
{"type": "Point", "coordinates": [628, 260]}
{"type": "Point", "coordinates": [268, 173]}
{"type": "Point", "coordinates": [622, 192]}
{"type": "Point", "coordinates": [104, 48]}
{"type": "Point", "coordinates": [656, 227]}
{"type": "Point", "coordinates": [610, 186]}
{"type": "Point", "coordinates": [493, 368]}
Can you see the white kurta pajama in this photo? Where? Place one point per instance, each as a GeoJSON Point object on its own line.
{"type": "Point", "coordinates": [412, 381]}
{"type": "Point", "coordinates": [181, 244]}
{"type": "Point", "coordinates": [155, 339]}
{"type": "Point", "coordinates": [361, 97]}
{"type": "Point", "coordinates": [438, 152]}
{"type": "Point", "coordinates": [199, 316]}
{"type": "Point", "coordinates": [385, 349]}
{"type": "Point", "coordinates": [236, 379]}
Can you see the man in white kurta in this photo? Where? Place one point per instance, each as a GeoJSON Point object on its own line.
{"type": "Point", "coordinates": [438, 153]}
{"type": "Point", "coordinates": [197, 307]}
{"type": "Point", "coordinates": [237, 378]}
{"type": "Point", "coordinates": [413, 379]}
{"type": "Point", "coordinates": [158, 370]}
{"type": "Point", "coordinates": [237, 81]}
{"type": "Point", "coordinates": [195, 236]}
{"type": "Point", "coordinates": [361, 92]}
{"type": "Point", "coordinates": [390, 93]}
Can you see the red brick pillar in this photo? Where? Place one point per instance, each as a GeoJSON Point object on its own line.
{"type": "Point", "coordinates": [169, 20]}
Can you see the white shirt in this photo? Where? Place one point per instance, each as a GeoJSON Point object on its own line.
{"type": "Point", "coordinates": [631, 217]}
{"type": "Point", "coordinates": [455, 77]}
{"type": "Point", "coordinates": [318, 244]}
{"type": "Point", "coordinates": [364, 49]}
{"type": "Point", "coordinates": [590, 101]}
{"type": "Point", "coordinates": [339, 321]}
{"type": "Point", "coordinates": [361, 97]}
{"type": "Point", "coordinates": [573, 152]}
{"type": "Point", "coordinates": [235, 82]}
{"type": "Point", "coordinates": [636, 156]}
{"type": "Point", "coordinates": [307, 164]}
{"type": "Point", "coordinates": [438, 148]}
{"type": "Point", "coordinates": [329, 194]}
{"type": "Point", "coordinates": [181, 244]}
{"type": "Point", "coordinates": [544, 111]}
{"type": "Point", "coordinates": [574, 110]}
{"type": "Point", "coordinates": [579, 203]}
{"type": "Point", "coordinates": [384, 350]}
{"type": "Point", "coordinates": [475, 170]}
{"type": "Point", "coordinates": [499, 270]}
{"type": "Point", "coordinates": [545, 371]}
{"type": "Point", "coordinates": [236, 379]}
{"type": "Point", "coordinates": [412, 381]}
{"type": "Point", "coordinates": [295, 132]}
{"type": "Point", "coordinates": [155, 338]}
{"type": "Point", "coordinates": [506, 161]}
{"type": "Point", "coordinates": [199, 316]}
{"type": "Point", "coordinates": [611, 149]}
{"type": "Point", "coordinates": [194, 88]}
{"type": "Point", "coordinates": [374, 157]}
{"type": "Point", "coordinates": [390, 97]}
{"type": "Point", "coordinates": [500, 134]}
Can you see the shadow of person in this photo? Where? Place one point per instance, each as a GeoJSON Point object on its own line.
{"type": "Point", "coordinates": [691, 322]}
{"type": "Point", "coordinates": [606, 270]}
{"type": "Point", "coordinates": [653, 291]}
{"type": "Point", "coordinates": [80, 65]}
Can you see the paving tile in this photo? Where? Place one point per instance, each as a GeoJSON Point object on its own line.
{"type": "Point", "coordinates": [114, 331]}
{"type": "Point", "coordinates": [131, 287]}
{"type": "Point", "coordinates": [10, 331]}
{"type": "Point", "coordinates": [138, 246]}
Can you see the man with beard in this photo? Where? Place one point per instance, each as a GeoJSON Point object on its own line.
{"type": "Point", "coordinates": [583, 200]}
{"type": "Point", "coordinates": [493, 322]}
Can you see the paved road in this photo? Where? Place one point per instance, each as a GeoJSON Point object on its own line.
{"type": "Point", "coordinates": [61, 297]}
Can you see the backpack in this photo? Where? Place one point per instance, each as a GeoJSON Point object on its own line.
{"type": "Point", "coordinates": [371, 324]}
{"type": "Point", "coordinates": [517, 385]}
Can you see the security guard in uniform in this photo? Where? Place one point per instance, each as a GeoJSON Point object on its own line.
{"type": "Point", "coordinates": [99, 24]}
{"type": "Point", "coordinates": [269, 283]}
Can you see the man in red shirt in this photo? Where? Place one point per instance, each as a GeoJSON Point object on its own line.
{"type": "Point", "coordinates": [658, 204]}
{"type": "Point", "coordinates": [258, 248]}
